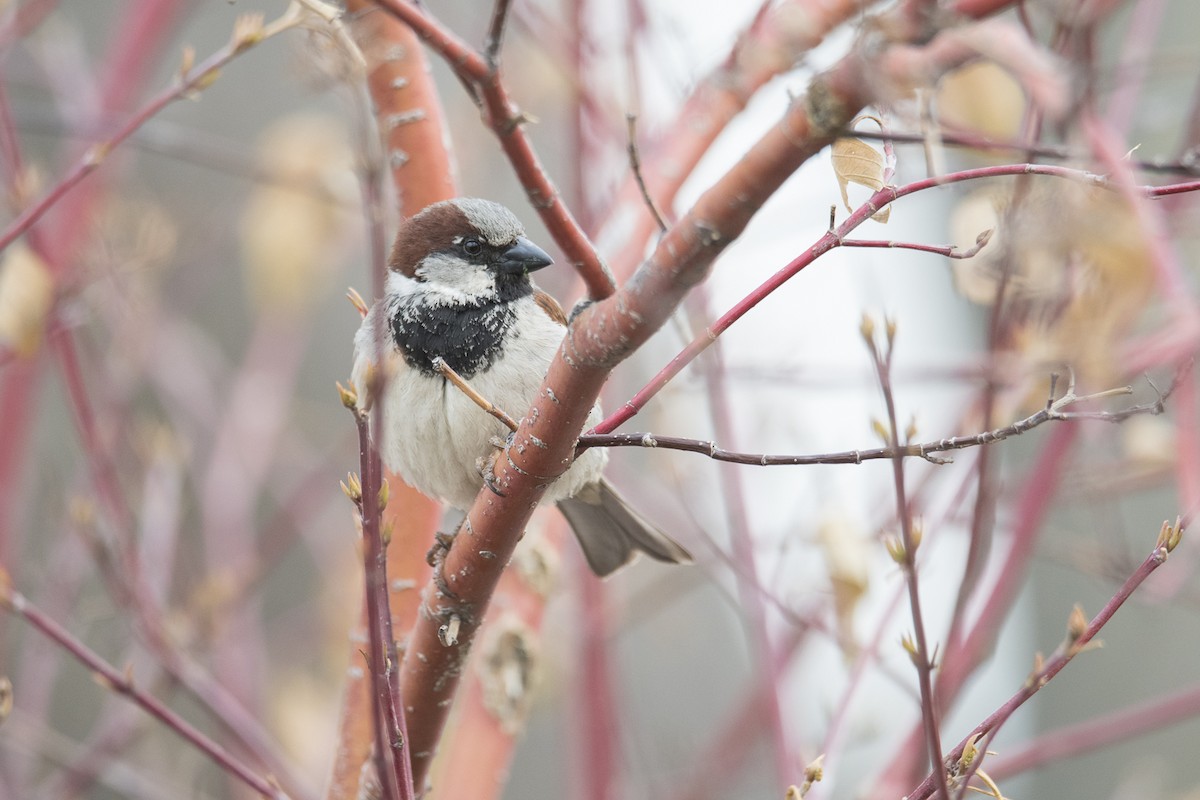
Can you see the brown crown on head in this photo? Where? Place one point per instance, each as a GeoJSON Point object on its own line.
{"type": "Point", "coordinates": [437, 227]}
{"type": "Point", "coordinates": [433, 228]}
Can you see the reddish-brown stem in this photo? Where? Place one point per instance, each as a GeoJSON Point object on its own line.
{"type": "Point", "coordinates": [1098, 732]}
{"type": "Point", "coordinates": [960, 661]}
{"type": "Point", "coordinates": [1051, 668]}
{"type": "Point", "coordinates": [123, 685]}
{"type": "Point", "coordinates": [17, 407]}
{"type": "Point", "coordinates": [394, 765]}
{"type": "Point", "coordinates": [597, 730]}
{"type": "Point", "coordinates": [748, 580]}
{"type": "Point", "coordinates": [921, 653]}
{"type": "Point", "coordinates": [947, 250]}
{"type": "Point", "coordinates": [195, 79]}
{"type": "Point", "coordinates": [1030, 149]}
{"type": "Point", "coordinates": [923, 450]}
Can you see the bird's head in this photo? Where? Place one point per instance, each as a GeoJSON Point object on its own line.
{"type": "Point", "coordinates": [474, 247]}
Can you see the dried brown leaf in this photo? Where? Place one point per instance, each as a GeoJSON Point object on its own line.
{"type": "Point", "coordinates": [855, 161]}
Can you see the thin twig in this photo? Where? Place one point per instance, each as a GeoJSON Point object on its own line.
{"type": "Point", "coordinates": [1067, 741]}
{"type": "Point", "coordinates": [447, 372]}
{"type": "Point", "coordinates": [1031, 149]}
{"type": "Point", "coordinates": [832, 239]}
{"type": "Point", "coordinates": [187, 84]}
{"type": "Point", "coordinates": [495, 35]}
{"type": "Point", "coordinates": [906, 554]}
{"type": "Point", "coordinates": [392, 756]}
{"type": "Point", "coordinates": [635, 164]}
{"type": "Point", "coordinates": [123, 684]}
{"type": "Point", "coordinates": [923, 450]}
{"type": "Point", "coordinates": [947, 250]}
{"type": "Point", "coordinates": [1168, 538]}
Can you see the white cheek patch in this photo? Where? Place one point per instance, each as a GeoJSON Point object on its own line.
{"type": "Point", "coordinates": [455, 278]}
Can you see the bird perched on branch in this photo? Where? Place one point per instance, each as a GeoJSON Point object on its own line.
{"type": "Point", "coordinates": [459, 291]}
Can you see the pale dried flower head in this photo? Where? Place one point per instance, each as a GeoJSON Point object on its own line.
{"type": "Point", "coordinates": [1079, 271]}
{"type": "Point", "coordinates": [26, 297]}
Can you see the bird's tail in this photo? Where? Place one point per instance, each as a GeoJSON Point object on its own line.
{"type": "Point", "coordinates": [611, 532]}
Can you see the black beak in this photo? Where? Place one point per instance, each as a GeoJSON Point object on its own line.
{"type": "Point", "coordinates": [521, 257]}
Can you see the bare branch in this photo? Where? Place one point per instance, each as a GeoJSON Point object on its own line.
{"type": "Point", "coordinates": [635, 164]}
{"type": "Point", "coordinates": [947, 250]}
{"type": "Point", "coordinates": [190, 81]}
{"type": "Point", "coordinates": [923, 450]}
{"type": "Point", "coordinates": [122, 684]}
{"type": "Point", "coordinates": [495, 36]}
{"type": "Point", "coordinates": [393, 757]}
{"type": "Point", "coordinates": [447, 372]}
{"type": "Point", "coordinates": [833, 238]}
{"type": "Point", "coordinates": [1076, 643]}
{"type": "Point", "coordinates": [904, 552]}
{"type": "Point", "coordinates": [1030, 149]}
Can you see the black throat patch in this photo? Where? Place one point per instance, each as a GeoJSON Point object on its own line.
{"type": "Point", "coordinates": [467, 337]}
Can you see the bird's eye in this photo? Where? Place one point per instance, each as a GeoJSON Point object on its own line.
{"type": "Point", "coordinates": [472, 247]}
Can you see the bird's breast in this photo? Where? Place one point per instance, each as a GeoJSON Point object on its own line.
{"type": "Point", "coordinates": [469, 338]}
{"type": "Point", "coordinates": [434, 435]}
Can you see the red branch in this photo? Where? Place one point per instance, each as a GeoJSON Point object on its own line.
{"type": "Point", "coordinates": [1101, 731]}
{"type": "Point", "coordinates": [122, 684]}
{"type": "Point", "coordinates": [191, 81]}
{"type": "Point", "coordinates": [395, 770]}
{"type": "Point", "coordinates": [906, 556]}
{"type": "Point", "coordinates": [836, 238]}
{"type": "Point", "coordinates": [1166, 542]}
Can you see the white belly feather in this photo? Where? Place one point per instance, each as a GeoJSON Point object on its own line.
{"type": "Point", "coordinates": [434, 435]}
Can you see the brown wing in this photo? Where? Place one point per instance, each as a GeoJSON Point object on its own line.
{"type": "Point", "coordinates": [550, 306]}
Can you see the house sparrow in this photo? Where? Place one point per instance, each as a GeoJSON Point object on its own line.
{"type": "Point", "coordinates": [459, 289]}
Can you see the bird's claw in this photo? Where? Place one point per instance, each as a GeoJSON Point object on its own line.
{"type": "Point", "coordinates": [440, 547]}
{"type": "Point", "coordinates": [487, 464]}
